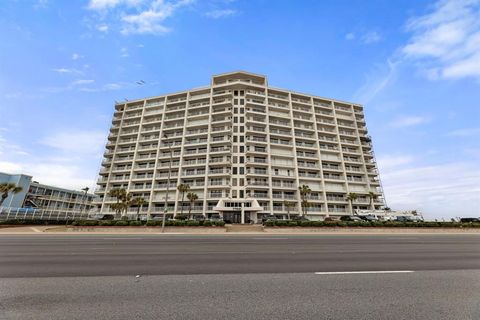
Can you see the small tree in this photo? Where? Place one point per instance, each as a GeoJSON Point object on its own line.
{"type": "Point", "coordinates": [373, 197]}
{"type": "Point", "coordinates": [183, 188]}
{"type": "Point", "coordinates": [139, 202]}
{"type": "Point", "coordinates": [6, 189]}
{"type": "Point", "coordinates": [288, 205]}
{"type": "Point", "coordinates": [192, 197]}
{"type": "Point", "coordinates": [304, 192]}
{"type": "Point", "coordinates": [118, 193]}
{"type": "Point", "coordinates": [351, 197]}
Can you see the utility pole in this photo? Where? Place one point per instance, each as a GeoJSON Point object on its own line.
{"type": "Point", "coordinates": [84, 207]}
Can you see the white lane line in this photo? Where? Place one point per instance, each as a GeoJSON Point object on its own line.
{"type": "Point", "coordinates": [35, 229]}
{"type": "Point", "coordinates": [270, 238]}
{"type": "Point", "coordinates": [122, 238]}
{"type": "Point", "coordinates": [364, 272]}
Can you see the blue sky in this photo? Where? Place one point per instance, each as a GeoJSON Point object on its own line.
{"type": "Point", "coordinates": [415, 65]}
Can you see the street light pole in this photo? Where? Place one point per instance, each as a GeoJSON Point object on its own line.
{"type": "Point", "coordinates": [168, 184]}
{"type": "Point", "coordinates": [84, 207]}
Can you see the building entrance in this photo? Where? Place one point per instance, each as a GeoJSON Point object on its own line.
{"type": "Point", "coordinates": [232, 217]}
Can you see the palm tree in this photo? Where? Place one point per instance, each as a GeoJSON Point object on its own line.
{"type": "Point", "coordinates": [289, 205]}
{"type": "Point", "coordinates": [372, 196]}
{"type": "Point", "coordinates": [183, 188]}
{"type": "Point", "coordinates": [6, 189]}
{"type": "Point", "coordinates": [120, 194]}
{"type": "Point", "coordinates": [192, 197]}
{"type": "Point", "coordinates": [304, 192]}
{"type": "Point", "coordinates": [139, 202]}
{"type": "Point", "coordinates": [352, 196]}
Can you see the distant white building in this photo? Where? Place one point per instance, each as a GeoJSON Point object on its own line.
{"type": "Point", "coordinates": [244, 148]}
{"type": "Point", "coordinates": [52, 201]}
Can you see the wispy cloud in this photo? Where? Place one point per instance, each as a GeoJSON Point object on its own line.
{"type": "Point", "coordinates": [216, 14]}
{"type": "Point", "coordinates": [350, 36]}
{"type": "Point", "coordinates": [103, 27]}
{"type": "Point", "coordinates": [82, 82]}
{"type": "Point", "coordinates": [446, 42]}
{"type": "Point", "coordinates": [409, 121]}
{"type": "Point", "coordinates": [110, 4]}
{"type": "Point", "coordinates": [67, 71]}
{"type": "Point", "coordinates": [76, 56]}
{"type": "Point", "coordinates": [124, 53]}
{"type": "Point", "coordinates": [371, 37]}
{"type": "Point", "coordinates": [467, 132]}
{"type": "Point", "coordinates": [376, 82]}
{"type": "Point", "coordinates": [442, 190]}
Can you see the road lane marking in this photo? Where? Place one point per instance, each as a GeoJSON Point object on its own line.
{"type": "Point", "coordinates": [269, 238]}
{"type": "Point", "coordinates": [363, 272]}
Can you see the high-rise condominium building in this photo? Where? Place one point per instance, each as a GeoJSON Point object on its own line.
{"type": "Point", "coordinates": [244, 149]}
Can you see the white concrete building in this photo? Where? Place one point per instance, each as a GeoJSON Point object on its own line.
{"type": "Point", "coordinates": [244, 148]}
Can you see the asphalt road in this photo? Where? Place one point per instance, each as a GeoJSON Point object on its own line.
{"type": "Point", "coordinates": [239, 277]}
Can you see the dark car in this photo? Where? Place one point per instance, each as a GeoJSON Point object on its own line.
{"type": "Point", "coordinates": [368, 217]}
{"type": "Point", "coordinates": [466, 220]}
{"type": "Point", "coordinates": [215, 217]}
{"type": "Point", "coordinates": [199, 218]}
{"type": "Point", "coordinates": [351, 218]}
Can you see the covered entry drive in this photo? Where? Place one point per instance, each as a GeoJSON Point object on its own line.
{"type": "Point", "coordinates": [238, 210]}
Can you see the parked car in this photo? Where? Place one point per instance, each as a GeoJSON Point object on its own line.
{"type": "Point", "coordinates": [103, 217]}
{"type": "Point", "coordinates": [299, 218]}
{"type": "Point", "coordinates": [351, 218]}
{"type": "Point", "coordinates": [368, 217]}
{"type": "Point", "coordinates": [215, 217]}
{"type": "Point", "coordinates": [466, 220]}
{"type": "Point", "coordinates": [199, 218]}
{"type": "Point", "coordinates": [269, 218]}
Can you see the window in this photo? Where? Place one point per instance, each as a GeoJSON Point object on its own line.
{"type": "Point", "coordinates": [235, 93]}
{"type": "Point", "coordinates": [242, 149]}
{"type": "Point", "coordinates": [242, 129]}
{"type": "Point", "coordinates": [242, 102]}
{"type": "Point", "coordinates": [242, 160]}
{"type": "Point", "coordinates": [242, 182]}
{"type": "Point", "coordinates": [234, 182]}
{"type": "Point", "coordinates": [235, 139]}
{"type": "Point", "coordinates": [242, 139]}
{"type": "Point", "coordinates": [235, 101]}
{"type": "Point", "coordinates": [241, 193]}
{"type": "Point", "coordinates": [242, 170]}
{"type": "Point", "coordinates": [234, 170]}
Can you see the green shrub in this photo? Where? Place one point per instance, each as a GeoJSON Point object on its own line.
{"type": "Point", "coordinates": [136, 223]}
{"type": "Point", "coordinates": [269, 223]}
{"type": "Point", "coordinates": [180, 217]}
{"type": "Point", "coordinates": [106, 223]}
{"type": "Point", "coordinates": [306, 223]}
{"type": "Point", "coordinates": [220, 223]}
{"type": "Point", "coordinates": [192, 223]}
{"type": "Point", "coordinates": [74, 223]}
{"type": "Point", "coordinates": [292, 223]}
{"type": "Point", "coordinates": [207, 223]}
{"type": "Point", "coordinates": [121, 223]}
{"type": "Point", "coordinates": [152, 223]}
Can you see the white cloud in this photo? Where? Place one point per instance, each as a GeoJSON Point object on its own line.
{"type": "Point", "coordinates": [82, 82]}
{"type": "Point", "coordinates": [408, 121]}
{"type": "Point", "coordinates": [350, 36]}
{"type": "Point", "coordinates": [216, 14]}
{"type": "Point", "coordinates": [124, 53]}
{"type": "Point", "coordinates": [443, 190]}
{"type": "Point", "coordinates": [136, 16]}
{"type": "Point", "coordinates": [76, 142]}
{"type": "Point", "coordinates": [371, 37]}
{"type": "Point", "coordinates": [468, 132]}
{"type": "Point", "coordinates": [447, 41]}
{"type": "Point", "coordinates": [387, 162]}
{"type": "Point", "coordinates": [110, 4]}
{"type": "Point", "coordinates": [76, 56]}
{"type": "Point", "coordinates": [67, 71]}
{"type": "Point", "coordinates": [376, 83]}
{"type": "Point", "coordinates": [103, 27]}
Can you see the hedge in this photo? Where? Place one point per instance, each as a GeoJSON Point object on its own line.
{"type": "Point", "coordinates": [360, 224]}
